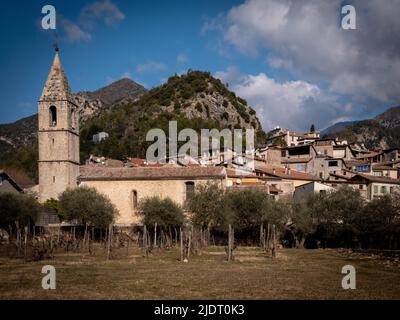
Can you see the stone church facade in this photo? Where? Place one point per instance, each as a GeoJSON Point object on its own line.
{"type": "Point", "coordinates": [59, 164]}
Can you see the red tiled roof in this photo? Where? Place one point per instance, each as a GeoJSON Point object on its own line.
{"type": "Point", "coordinates": [232, 173]}
{"type": "Point", "coordinates": [287, 174]}
{"type": "Point", "coordinates": [88, 173]}
{"type": "Point", "coordinates": [375, 179]}
{"type": "Point", "coordinates": [383, 167]}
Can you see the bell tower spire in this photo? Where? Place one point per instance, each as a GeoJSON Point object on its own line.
{"type": "Point", "coordinates": [58, 135]}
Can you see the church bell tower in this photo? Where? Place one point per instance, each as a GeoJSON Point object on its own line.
{"type": "Point", "coordinates": [58, 135]}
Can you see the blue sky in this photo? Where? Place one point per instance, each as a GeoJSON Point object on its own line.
{"type": "Point", "coordinates": [248, 44]}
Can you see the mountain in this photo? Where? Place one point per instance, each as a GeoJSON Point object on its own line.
{"type": "Point", "coordinates": [121, 91]}
{"type": "Point", "coordinates": [381, 132]}
{"type": "Point", "coordinates": [126, 111]}
{"type": "Point", "coordinates": [195, 100]}
{"type": "Point", "coordinates": [337, 127]}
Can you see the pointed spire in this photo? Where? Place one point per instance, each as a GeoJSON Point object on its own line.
{"type": "Point", "coordinates": [56, 87]}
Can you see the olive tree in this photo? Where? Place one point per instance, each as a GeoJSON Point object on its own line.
{"type": "Point", "coordinates": [205, 205]}
{"type": "Point", "coordinates": [17, 210]}
{"type": "Point", "coordinates": [87, 206]}
{"type": "Point", "coordinates": [163, 211]}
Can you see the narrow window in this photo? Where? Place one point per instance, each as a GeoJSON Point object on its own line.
{"type": "Point", "coordinates": [53, 116]}
{"type": "Point", "coordinates": [54, 179]}
{"type": "Point", "coordinates": [134, 199]}
{"type": "Point", "coordinates": [189, 188]}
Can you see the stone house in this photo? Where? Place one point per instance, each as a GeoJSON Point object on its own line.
{"type": "Point", "coordinates": [302, 192]}
{"type": "Point", "coordinates": [372, 187]}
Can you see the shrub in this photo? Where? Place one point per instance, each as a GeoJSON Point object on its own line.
{"type": "Point", "coordinates": [88, 206]}
{"type": "Point", "coordinates": [165, 212]}
{"type": "Point", "coordinates": [19, 208]}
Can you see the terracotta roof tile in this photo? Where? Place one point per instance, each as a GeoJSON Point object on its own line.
{"type": "Point", "coordinates": [88, 173]}
{"type": "Point", "coordinates": [287, 174]}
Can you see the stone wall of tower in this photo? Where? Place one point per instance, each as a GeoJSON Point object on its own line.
{"type": "Point", "coordinates": [58, 140]}
{"type": "Point", "coordinates": [55, 177]}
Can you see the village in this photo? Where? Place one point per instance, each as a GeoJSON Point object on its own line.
{"type": "Point", "coordinates": [242, 206]}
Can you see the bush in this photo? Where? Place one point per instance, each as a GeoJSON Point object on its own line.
{"type": "Point", "coordinates": [165, 212]}
{"type": "Point", "coordinates": [206, 206]}
{"type": "Point", "coordinates": [86, 205]}
{"type": "Point", "coordinates": [19, 208]}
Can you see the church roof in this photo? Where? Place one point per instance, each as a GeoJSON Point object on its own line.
{"type": "Point", "coordinates": [56, 87]}
{"type": "Point", "coordinates": [88, 173]}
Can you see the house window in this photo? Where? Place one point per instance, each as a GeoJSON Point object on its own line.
{"type": "Point", "coordinates": [375, 189]}
{"type": "Point", "coordinates": [189, 188]}
{"type": "Point", "coordinates": [53, 116]}
{"type": "Point", "coordinates": [391, 189]}
{"type": "Point", "coordinates": [332, 164]}
{"type": "Point", "coordinates": [383, 189]}
{"type": "Point", "coordinates": [134, 199]}
{"type": "Point", "coordinates": [54, 179]}
{"type": "Point", "coordinates": [361, 187]}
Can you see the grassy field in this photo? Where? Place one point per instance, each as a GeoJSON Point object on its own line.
{"type": "Point", "coordinates": [294, 274]}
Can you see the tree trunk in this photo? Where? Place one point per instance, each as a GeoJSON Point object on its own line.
{"type": "Point", "coordinates": [155, 235]}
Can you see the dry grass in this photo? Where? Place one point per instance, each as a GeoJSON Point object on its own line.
{"type": "Point", "coordinates": [294, 274]}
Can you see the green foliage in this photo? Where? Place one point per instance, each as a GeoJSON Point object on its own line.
{"type": "Point", "coordinates": [206, 205]}
{"type": "Point", "coordinates": [19, 208]}
{"type": "Point", "coordinates": [86, 205]}
{"type": "Point", "coordinates": [24, 159]}
{"type": "Point", "coordinates": [55, 205]}
{"type": "Point", "coordinates": [165, 212]}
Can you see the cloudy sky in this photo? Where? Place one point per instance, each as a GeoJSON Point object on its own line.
{"type": "Point", "coordinates": [289, 58]}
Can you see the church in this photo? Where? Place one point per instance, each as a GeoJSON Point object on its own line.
{"type": "Point", "coordinates": [60, 168]}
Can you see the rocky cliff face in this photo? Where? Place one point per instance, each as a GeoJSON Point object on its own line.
{"type": "Point", "coordinates": [121, 91]}
{"type": "Point", "coordinates": [381, 132]}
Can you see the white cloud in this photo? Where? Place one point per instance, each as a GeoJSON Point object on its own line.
{"type": "Point", "coordinates": [304, 37]}
{"type": "Point", "coordinates": [181, 58]}
{"type": "Point", "coordinates": [293, 104]}
{"type": "Point", "coordinates": [150, 67]}
{"type": "Point", "coordinates": [73, 32]}
{"type": "Point", "coordinates": [105, 11]}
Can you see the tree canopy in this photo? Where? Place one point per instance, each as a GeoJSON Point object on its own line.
{"type": "Point", "coordinates": [163, 211]}
{"type": "Point", "coordinates": [86, 205]}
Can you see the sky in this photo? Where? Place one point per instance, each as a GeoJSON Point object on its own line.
{"type": "Point", "coordinates": [290, 59]}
